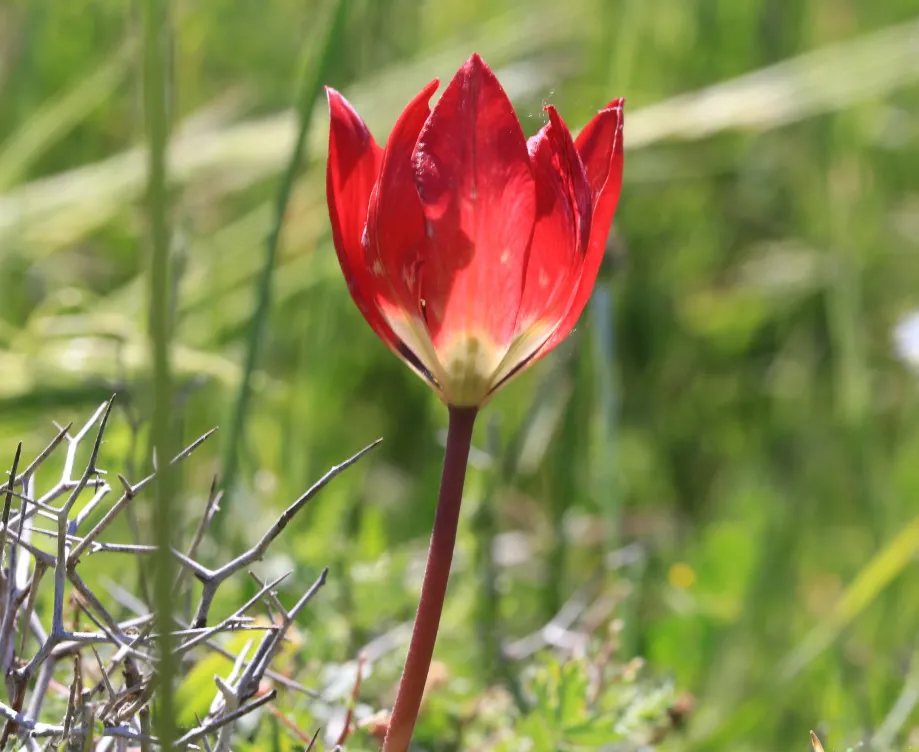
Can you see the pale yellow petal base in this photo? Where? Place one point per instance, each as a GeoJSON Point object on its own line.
{"type": "Point", "coordinates": [466, 371]}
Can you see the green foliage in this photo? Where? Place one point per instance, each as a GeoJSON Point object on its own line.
{"type": "Point", "coordinates": [626, 714]}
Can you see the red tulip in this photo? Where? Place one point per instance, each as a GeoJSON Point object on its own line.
{"type": "Point", "coordinates": [471, 251]}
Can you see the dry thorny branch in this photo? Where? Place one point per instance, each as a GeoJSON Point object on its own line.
{"type": "Point", "coordinates": [113, 712]}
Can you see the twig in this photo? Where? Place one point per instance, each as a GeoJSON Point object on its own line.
{"type": "Point", "coordinates": [355, 692]}
{"type": "Point", "coordinates": [39, 460]}
{"type": "Point", "coordinates": [270, 645]}
{"type": "Point", "coordinates": [212, 726]}
{"type": "Point", "coordinates": [210, 511]}
{"type": "Point", "coordinates": [129, 493]}
{"type": "Point", "coordinates": [203, 633]}
{"type": "Point", "coordinates": [113, 714]}
{"type": "Point", "coordinates": [9, 493]}
{"type": "Point", "coordinates": [211, 580]}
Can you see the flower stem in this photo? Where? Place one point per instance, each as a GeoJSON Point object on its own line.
{"type": "Point", "coordinates": [434, 588]}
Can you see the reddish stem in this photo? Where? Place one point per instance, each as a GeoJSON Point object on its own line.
{"type": "Point", "coordinates": [434, 588]}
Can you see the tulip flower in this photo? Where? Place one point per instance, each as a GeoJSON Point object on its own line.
{"type": "Point", "coordinates": [471, 253]}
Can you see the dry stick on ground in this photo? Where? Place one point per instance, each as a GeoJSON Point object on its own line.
{"type": "Point", "coordinates": [109, 713]}
{"type": "Point", "coordinates": [211, 579]}
{"type": "Point", "coordinates": [58, 631]}
{"type": "Point", "coordinates": [185, 631]}
{"type": "Point", "coordinates": [233, 693]}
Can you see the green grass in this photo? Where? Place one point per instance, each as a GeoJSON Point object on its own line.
{"type": "Point", "coordinates": [736, 409]}
{"type": "Point", "coordinates": [157, 35]}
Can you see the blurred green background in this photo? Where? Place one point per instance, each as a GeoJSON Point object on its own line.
{"type": "Point", "coordinates": [725, 455]}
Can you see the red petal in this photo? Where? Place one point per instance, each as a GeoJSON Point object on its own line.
{"type": "Point", "coordinates": [600, 147]}
{"type": "Point", "coordinates": [354, 161]}
{"type": "Point", "coordinates": [396, 243]}
{"type": "Point", "coordinates": [478, 194]}
{"type": "Point", "coordinates": [562, 230]}
{"type": "Point", "coordinates": [396, 240]}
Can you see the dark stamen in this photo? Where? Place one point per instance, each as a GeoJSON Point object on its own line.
{"type": "Point", "coordinates": [416, 363]}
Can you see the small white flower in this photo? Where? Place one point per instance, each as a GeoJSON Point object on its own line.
{"type": "Point", "coordinates": [906, 339]}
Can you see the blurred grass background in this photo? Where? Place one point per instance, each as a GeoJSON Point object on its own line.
{"type": "Point", "coordinates": [727, 443]}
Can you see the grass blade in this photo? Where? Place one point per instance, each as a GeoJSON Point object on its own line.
{"type": "Point", "coordinates": [309, 93]}
{"type": "Point", "coordinates": [156, 117]}
{"type": "Point", "coordinates": [59, 116]}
